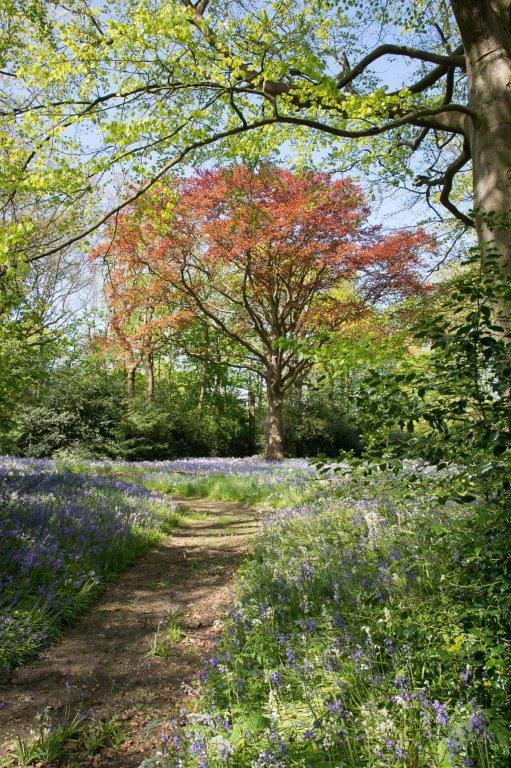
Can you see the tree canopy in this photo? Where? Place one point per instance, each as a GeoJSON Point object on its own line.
{"type": "Point", "coordinates": [140, 87]}
{"type": "Point", "coordinates": [258, 255]}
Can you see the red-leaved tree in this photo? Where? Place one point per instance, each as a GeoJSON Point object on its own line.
{"type": "Point", "coordinates": [142, 314]}
{"type": "Point", "coordinates": [258, 255]}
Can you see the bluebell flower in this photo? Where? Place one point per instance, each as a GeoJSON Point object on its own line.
{"type": "Point", "coordinates": [290, 655]}
{"type": "Point", "coordinates": [478, 723]}
{"type": "Point", "coordinates": [337, 708]}
{"type": "Point", "coordinates": [441, 714]}
{"type": "Point", "coordinates": [466, 676]}
{"type": "Point", "coordinates": [275, 679]}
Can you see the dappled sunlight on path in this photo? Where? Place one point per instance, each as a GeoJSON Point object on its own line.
{"type": "Point", "coordinates": [104, 666]}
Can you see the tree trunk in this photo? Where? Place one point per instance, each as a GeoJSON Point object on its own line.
{"type": "Point", "coordinates": [131, 369]}
{"type": "Point", "coordinates": [251, 405]}
{"type": "Point", "coordinates": [274, 427]}
{"type": "Point", "coordinates": [202, 394]}
{"type": "Point", "coordinates": [149, 369]}
{"type": "Point", "coordinates": [130, 379]}
{"type": "Point", "coordinates": [485, 29]}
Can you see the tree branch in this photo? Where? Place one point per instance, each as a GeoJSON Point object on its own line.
{"type": "Point", "coordinates": [455, 60]}
{"type": "Point", "coordinates": [446, 182]}
{"type": "Point", "coordinates": [227, 363]}
{"type": "Point", "coordinates": [218, 322]}
{"type": "Point", "coordinates": [445, 117]}
{"type": "Point", "coordinates": [153, 180]}
{"type": "Point", "coordinates": [250, 311]}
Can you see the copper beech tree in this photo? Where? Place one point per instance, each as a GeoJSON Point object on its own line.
{"type": "Point", "coordinates": [258, 256]}
{"type": "Point", "coordinates": [141, 317]}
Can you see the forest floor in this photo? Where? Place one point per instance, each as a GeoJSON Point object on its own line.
{"type": "Point", "coordinates": [118, 662]}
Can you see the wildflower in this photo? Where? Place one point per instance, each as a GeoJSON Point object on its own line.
{"type": "Point", "coordinates": [465, 676]}
{"type": "Point", "coordinates": [164, 738]}
{"type": "Point", "coordinates": [306, 571]}
{"type": "Point", "coordinates": [290, 655]}
{"type": "Point", "coordinates": [225, 749]}
{"type": "Point", "coordinates": [176, 742]}
{"type": "Point", "coordinates": [338, 708]}
{"type": "Point", "coordinates": [478, 723]}
{"type": "Point", "coordinates": [389, 645]}
{"type": "Point", "coordinates": [441, 716]}
{"type": "Point", "coordinates": [197, 746]}
{"type": "Point", "coordinates": [275, 679]}
{"type": "Point", "coordinates": [454, 746]}
{"type": "Point", "coordinates": [309, 625]}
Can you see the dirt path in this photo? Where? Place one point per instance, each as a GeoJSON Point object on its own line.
{"type": "Point", "coordinates": [102, 666]}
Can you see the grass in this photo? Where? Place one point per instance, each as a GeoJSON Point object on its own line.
{"type": "Point", "coordinates": [63, 537]}
{"type": "Point", "coordinates": [370, 631]}
{"type": "Point", "coordinates": [251, 489]}
{"type": "Point", "coordinates": [242, 489]}
{"type": "Point", "coordinates": [168, 634]}
{"type": "Point", "coordinates": [72, 741]}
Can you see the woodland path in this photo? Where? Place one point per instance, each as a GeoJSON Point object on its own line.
{"type": "Point", "coordinates": [102, 665]}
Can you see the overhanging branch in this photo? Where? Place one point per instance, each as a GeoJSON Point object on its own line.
{"type": "Point", "coordinates": [455, 60]}
{"type": "Point", "coordinates": [152, 181]}
{"type": "Point", "coordinates": [445, 181]}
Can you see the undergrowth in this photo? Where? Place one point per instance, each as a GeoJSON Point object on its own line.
{"type": "Point", "coordinates": [63, 536]}
{"type": "Point", "coordinates": [371, 629]}
{"type": "Point", "coordinates": [72, 742]}
{"type": "Point", "coordinates": [277, 487]}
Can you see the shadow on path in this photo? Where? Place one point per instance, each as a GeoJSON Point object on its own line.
{"type": "Point", "coordinates": [102, 665]}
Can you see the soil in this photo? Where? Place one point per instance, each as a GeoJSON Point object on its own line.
{"type": "Point", "coordinates": [104, 666]}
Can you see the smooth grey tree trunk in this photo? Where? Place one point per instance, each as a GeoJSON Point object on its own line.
{"type": "Point", "coordinates": [149, 368]}
{"type": "Point", "coordinates": [251, 407]}
{"type": "Point", "coordinates": [485, 27]}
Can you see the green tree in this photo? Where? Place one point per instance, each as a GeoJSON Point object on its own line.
{"type": "Point", "coordinates": [147, 84]}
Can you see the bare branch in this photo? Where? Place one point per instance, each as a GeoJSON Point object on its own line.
{"type": "Point", "coordinates": [455, 60]}
{"type": "Point", "coordinates": [445, 181]}
{"type": "Point", "coordinates": [185, 286]}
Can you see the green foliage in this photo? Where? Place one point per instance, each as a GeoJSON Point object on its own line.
{"type": "Point", "coordinates": [155, 83]}
{"type": "Point", "coordinates": [168, 633]}
{"type": "Point", "coordinates": [73, 740]}
{"type": "Point", "coordinates": [80, 406]}
{"type": "Point", "coordinates": [370, 630]}
{"type": "Point", "coordinates": [450, 396]}
{"type": "Point", "coordinates": [320, 419]}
